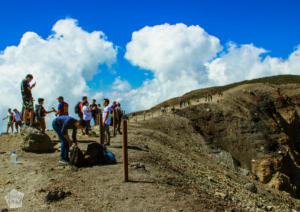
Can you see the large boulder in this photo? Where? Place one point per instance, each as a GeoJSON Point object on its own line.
{"type": "Point", "coordinates": [34, 140]}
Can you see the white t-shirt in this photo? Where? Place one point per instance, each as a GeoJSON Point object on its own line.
{"type": "Point", "coordinates": [87, 116]}
{"type": "Point", "coordinates": [18, 117]}
{"type": "Point", "coordinates": [106, 109]}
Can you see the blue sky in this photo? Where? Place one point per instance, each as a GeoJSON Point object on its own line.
{"type": "Point", "coordinates": [187, 45]}
{"type": "Point", "coordinates": [273, 25]}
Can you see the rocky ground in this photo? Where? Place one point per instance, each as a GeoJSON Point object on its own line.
{"type": "Point", "coordinates": [174, 165]}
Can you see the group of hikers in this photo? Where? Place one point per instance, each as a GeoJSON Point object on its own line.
{"type": "Point", "coordinates": [63, 122]}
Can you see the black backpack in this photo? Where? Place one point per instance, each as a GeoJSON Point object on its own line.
{"type": "Point", "coordinates": [76, 157]}
{"type": "Point", "coordinates": [38, 111]}
{"type": "Point", "coordinates": [77, 108]}
{"type": "Point", "coordinates": [94, 154]}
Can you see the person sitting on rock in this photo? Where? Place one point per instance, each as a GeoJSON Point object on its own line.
{"type": "Point", "coordinates": [18, 120]}
{"type": "Point", "coordinates": [11, 119]}
{"type": "Point", "coordinates": [106, 120]}
{"type": "Point", "coordinates": [61, 125]}
{"type": "Point", "coordinates": [40, 114]}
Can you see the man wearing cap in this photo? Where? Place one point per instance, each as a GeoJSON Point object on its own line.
{"type": "Point", "coordinates": [63, 107]}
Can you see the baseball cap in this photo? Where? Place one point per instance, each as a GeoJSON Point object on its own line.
{"type": "Point", "coordinates": [60, 97]}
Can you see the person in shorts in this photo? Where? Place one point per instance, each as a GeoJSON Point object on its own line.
{"type": "Point", "coordinates": [11, 118]}
{"type": "Point", "coordinates": [18, 120]}
{"type": "Point", "coordinates": [26, 89]}
{"type": "Point", "coordinates": [41, 113]}
{"type": "Point", "coordinates": [106, 120]}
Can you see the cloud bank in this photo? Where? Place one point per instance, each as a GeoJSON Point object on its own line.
{"type": "Point", "coordinates": [183, 58]}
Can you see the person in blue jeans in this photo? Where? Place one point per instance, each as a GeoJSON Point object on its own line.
{"type": "Point", "coordinates": [61, 125]}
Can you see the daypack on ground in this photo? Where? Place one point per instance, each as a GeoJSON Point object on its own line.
{"type": "Point", "coordinates": [109, 157]}
{"type": "Point", "coordinates": [94, 154]}
{"type": "Point", "coordinates": [76, 157]}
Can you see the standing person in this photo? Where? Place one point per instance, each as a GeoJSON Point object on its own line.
{"type": "Point", "coordinates": [26, 89]}
{"type": "Point", "coordinates": [41, 113]}
{"type": "Point", "coordinates": [79, 107]}
{"type": "Point", "coordinates": [119, 114]}
{"type": "Point", "coordinates": [61, 125]}
{"type": "Point", "coordinates": [63, 107]}
{"type": "Point", "coordinates": [18, 120]}
{"type": "Point", "coordinates": [106, 120]}
{"type": "Point", "coordinates": [94, 111]}
{"type": "Point", "coordinates": [87, 116]}
{"type": "Point", "coordinates": [11, 119]}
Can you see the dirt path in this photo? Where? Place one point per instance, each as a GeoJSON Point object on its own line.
{"type": "Point", "coordinates": [99, 188]}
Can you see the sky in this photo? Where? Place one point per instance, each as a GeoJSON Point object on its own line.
{"type": "Point", "coordinates": [142, 52]}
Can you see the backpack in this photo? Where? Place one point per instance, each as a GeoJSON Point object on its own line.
{"type": "Point", "coordinates": [38, 111]}
{"type": "Point", "coordinates": [109, 157]}
{"type": "Point", "coordinates": [77, 108]}
{"type": "Point", "coordinates": [76, 157]}
{"type": "Point", "coordinates": [94, 154]}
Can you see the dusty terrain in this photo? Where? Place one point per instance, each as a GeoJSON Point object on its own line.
{"type": "Point", "coordinates": [179, 161]}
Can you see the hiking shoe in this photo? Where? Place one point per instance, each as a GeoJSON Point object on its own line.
{"type": "Point", "coordinates": [63, 161]}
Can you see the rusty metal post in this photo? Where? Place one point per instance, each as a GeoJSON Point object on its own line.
{"type": "Point", "coordinates": [101, 133]}
{"type": "Point", "coordinates": [114, 122]}
{"type": "Point", "coordinates": [125, 150]}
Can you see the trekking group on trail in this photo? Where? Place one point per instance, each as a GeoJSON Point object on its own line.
{"type": "Point", "coordinates": [63, 122]}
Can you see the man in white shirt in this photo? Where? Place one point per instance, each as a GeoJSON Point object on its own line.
{"type": "Point", "coordinates": [106, 120]}
{"type": "Point", "coordinates": [87, 116]}
{"type": "Point", "coordinates": [18, 120]}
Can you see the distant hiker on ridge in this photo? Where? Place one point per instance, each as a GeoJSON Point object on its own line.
{"type": "Point", "coordinates": [27, 98]}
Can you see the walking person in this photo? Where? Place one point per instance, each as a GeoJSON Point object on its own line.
{"type": "Point", "coordinates": [63, 107]}
{"type": "Point", "coordinates": [87, 117]}
{"type": "Point", "coordinates": [106, 120]}
{"type": "Point", "coordinates": [40, 113]}
{"type": "Point", "coordinates": [18, 120]}
{"type": "Point", "coordinates": [11, 118]}
{"type": "Point", "coordinates": [94, 111]}
{"type": "Point", "coordinates": [26, 89]}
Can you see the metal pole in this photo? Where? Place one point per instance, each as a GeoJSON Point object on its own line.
{"type": "Point", "coordinates": [125, 150]}
{"type": "Point", "coordinates": [101, 134]}
{"type": "Point", "coordinates": [114, 122]}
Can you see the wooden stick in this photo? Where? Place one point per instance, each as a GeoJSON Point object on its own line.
{"type": "Point", "coordinates": [101, 134]}
{"type": "Point", "coordinates": [125, 150]}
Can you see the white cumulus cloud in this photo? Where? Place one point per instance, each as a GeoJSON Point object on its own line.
{"type": "Point", "coordinates": [60, 64]}
{"type": "Point", "coordinates": [176, 55]}
{"type": "Point", "coordinates": [183, 58]}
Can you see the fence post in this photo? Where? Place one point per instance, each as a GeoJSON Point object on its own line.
{"type": "Point", "coordinates": [125, 150]}
{"type": "Point", "coordinates": [114, 122]}
{"type": "Point", "coordinates": [101, 134]}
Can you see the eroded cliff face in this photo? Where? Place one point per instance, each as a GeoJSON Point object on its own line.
{"type": "Point", "coordinates": [259, 128]}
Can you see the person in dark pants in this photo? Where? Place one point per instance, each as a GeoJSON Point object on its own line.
{"type": "Point", "coordinates": [94, 110]}
{"type": "Point", "coordinates": [61, 125]}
